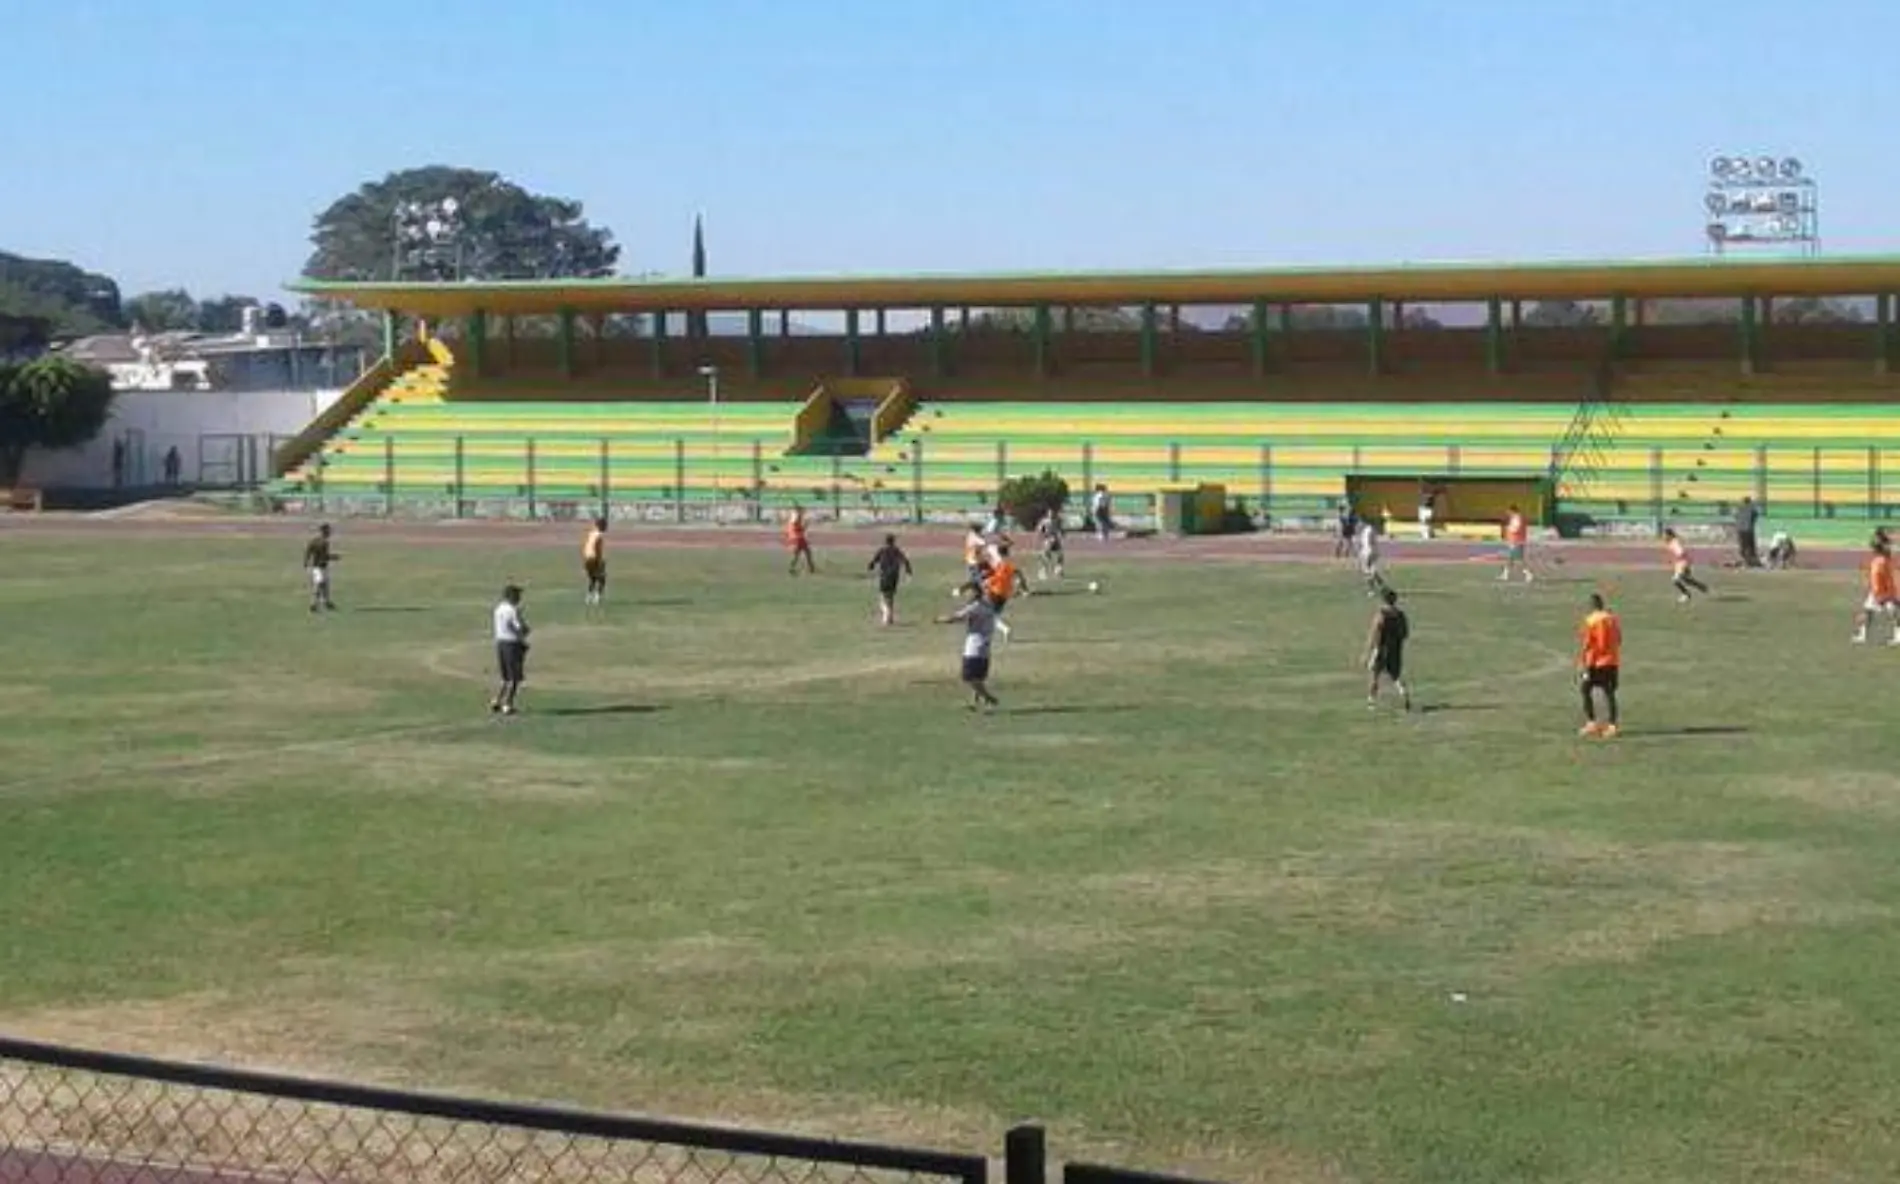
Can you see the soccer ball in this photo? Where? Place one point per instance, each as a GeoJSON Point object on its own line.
{"type": "Point", "coordinates": [1094, 586]}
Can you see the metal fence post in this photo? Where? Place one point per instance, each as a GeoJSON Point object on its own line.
{"type": "Point", "coordinates": [606, 478]}
{"type": "Point", "coordinates": [461, 476]}
{"type": "Point", "coordinates": [1873, 480]}
{"type": "Point", "coordinates": [1761, 477]}
{"type": "Point", "coordinates": [322, 499]}
{"type": "Point", "coordinates": [389, 476]}
{"type": "Point", "coordinates": [1174, 461]}
{"type": "Point", "coordinates": [532, 476]}
{"type": "Point", "coordinates": [1453, 455]}
{"type": "Point", "coordinates": [837, 479]}
{"type": "Point", "coordinates": [1088, 465]}
{"type": "Point", "coordinates": [1656, 486]}
{"type": "Point", "coordinates": [679, 480]}
{"type": "Point", "coordinates": [1817, 481]}
{"type": "Point", "coordinates": [1266, 479]}
{"type": "Point", "coordinates": [1025, 1156]}
{"type": "Point", "coordinates": [917, 481]}
{"type": "Point", "coordinates": [758, 482]}
{"type": "Point", "coordinates": [1002, 466]}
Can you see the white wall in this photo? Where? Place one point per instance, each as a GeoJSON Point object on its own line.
{"type": "Point", "coordinates": [153, 421]}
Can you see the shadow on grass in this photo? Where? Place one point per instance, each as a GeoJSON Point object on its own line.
{"type": "Point", "coordinates": [392, 608]}
{"type": "Point", "coordinates": [1690, 732]}
{"type": "Point", "coordinates": [1073, 709]}
{"type": "Point", "coordinates": [1442, 708]}
{"type": "Point", "coordinates": [604, 709]}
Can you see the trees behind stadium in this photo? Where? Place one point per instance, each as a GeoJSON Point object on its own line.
{"type": "Point", "coordinates": [51, 402]}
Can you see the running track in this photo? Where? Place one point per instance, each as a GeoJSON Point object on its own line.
{"type": "Point", "coordinates": [1268, 548]}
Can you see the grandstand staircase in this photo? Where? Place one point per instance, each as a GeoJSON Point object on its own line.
{"type": "Point", "coordinates": [1589, 440]}
{"type": "Point", "coordinates": [423, 380]}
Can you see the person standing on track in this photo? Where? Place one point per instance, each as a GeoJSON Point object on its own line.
{"type": "Point", "coordinates": [1517, 540]}
{"type": "Point", "coordinates": [1599, 667]}
{"type": "Point", "coordinates": [1747, 517]}
{"type": "Point", "coordinates": [798, 541]}
{"type": "Point", "coordinates": [891, 565]}
{"type": "Point", "coordinates": [318, 555]}
{"type": "Point", "coordinates": [594, 561]}
{"type": "Point", "coordinates": [1385, 650]}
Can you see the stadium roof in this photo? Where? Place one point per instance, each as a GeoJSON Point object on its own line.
{"type": "Point", "coordinates": [1685, 278]}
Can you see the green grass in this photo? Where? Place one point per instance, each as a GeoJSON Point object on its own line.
{"type": "Point", "coordinates": [1184, 899]}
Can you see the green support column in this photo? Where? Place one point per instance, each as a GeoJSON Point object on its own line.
{"type": "Point", "coordinates": [1494, 336]}
{"type": "Point", "coordinates": [1148, 323]}
{"type": "Point", "coordinates": [1883, 313]}
{"type": "Point", "coordinates": [478, 342]}
{"type": "Point", "coordinates": [1375, 335]}
{"type": "Point", "coordinates": [755, 342]}
{"type": "Point", "coordinates": [659, 344]}
{"type": "Point", "coordinates": [392, 333]}
{"type": "Point", "coordinates": [508, 329]}
{"type": "Point", "coordinates": [1068, 320]}
{"type": "Point", "coordinates": [963, 320]}
{"type": "Point", "coordinates": [851, 343]}
{"type": "Point", "coordinates": [1751, 334]}
{"type": "Point", "coordinates": [1286, 319]}
{"type": "Point", "coordinates": [784, 322]}
{"type": "Point", "coordinates": [1517, 315]}
{"type": "Point", "coordinates": [880, 322]}
{"type": "Point", "coordinates": [1619, 325]}
{"type": "Point", "coordinates": [1174, 318]}
{"type": "Point", "coordinates": [939, 361]}
{"type": "Point", "coordinates": [1042, 341]}
{"type": "Point", "coordinates": [566, 343]}
{"type": "Point", "coordinates": [1257, 334]}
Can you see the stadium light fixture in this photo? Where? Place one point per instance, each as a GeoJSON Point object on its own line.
{"type": "Point", "coordinates": [1763, 201]}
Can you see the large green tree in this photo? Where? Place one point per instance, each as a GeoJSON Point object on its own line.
{"type": "Point", "coordinates": [51, 402]}
{"type": "Point", "coordinates": [171, 310]}
{"type": "Point", "coordinates": [499, 231]}
{"type": "Point", "coordinates": [70, 299]}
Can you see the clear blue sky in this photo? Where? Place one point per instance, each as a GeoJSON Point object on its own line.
{"type": "Point", "coordinates": [191, 142]}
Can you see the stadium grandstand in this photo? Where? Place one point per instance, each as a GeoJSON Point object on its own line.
{"type": "Point", "coordinates": [914, 398]}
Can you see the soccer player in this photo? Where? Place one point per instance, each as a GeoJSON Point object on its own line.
{"type": "Point", "coordinates": [891, 565]}
{"type": "Point", "coordinates": [594, 561]}
{"type": "Point", "coordinates": [798, 542]}
{"type": "Point", "coordinates": [1599, 661]}
{"type": "Point", "coordinates": [976, 563]}
{"type": "Point", "coordinates": [1003, 580]}
{"type": "Point", "coordinates": [1684, 573]}
{"type": "Point", "coordinates": [317, 558]}
{"type": "Point", "coordinates": [979, 626]}
{"type": "Point", "coordinates": [1049, 537]}
{"type": "Point", "coordinates": [1882, 596]}
{"type": "Point", "coordinates": [1368, 548]}
{"type": "Point", "coordinates": [1517, 539]}
{"type": "Point", "coordinates": [1348, 530]}
{"type": "Point", "coordinates": [511, 650]}
{"type": "Point", "coordinates": [1385, 650]}
{"type": "Point", "coordinates": [1101, 512]}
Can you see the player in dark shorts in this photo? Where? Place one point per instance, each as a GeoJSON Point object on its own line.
{"type": "Point", "coordinates": [511, 650]}
{"type": "Point", "coordinates": [1385, 650]}
{"type": "Point", "coordinates": [318, 555]}
{"type": "Point", "coordinates": [891, 565]}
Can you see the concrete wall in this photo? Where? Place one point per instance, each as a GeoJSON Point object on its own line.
{"type": "Point", "coordinates": [222, 437]}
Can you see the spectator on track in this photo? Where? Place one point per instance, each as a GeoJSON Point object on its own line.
{"type": "Point", "coordinates": [1747, 517]}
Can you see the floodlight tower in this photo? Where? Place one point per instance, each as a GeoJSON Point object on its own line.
{"type": "Point", "coordinates": [1764, 203]}
{"type": "Point", "coordinates": [427, 239]}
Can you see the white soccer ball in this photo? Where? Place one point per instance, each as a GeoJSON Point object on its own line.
{"type": "Point", "coordinates": [1094, 586]}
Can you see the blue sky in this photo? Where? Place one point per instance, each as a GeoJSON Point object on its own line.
{"type": "Point", "coordinates": [191, 143]}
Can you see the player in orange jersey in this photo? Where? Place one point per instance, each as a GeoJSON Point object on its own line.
{"type": "Point", "coordinates": [1517, 539]}
{"type": "Point", "coordinates": [1001, 582]}
{"type": "Point", "coordinates": [1599, 665]}
{"type": "Point", "coordinates": [1683, 573]}
{"type": "Point", "coordinates": [798, 542]}
{"type": "Point", "coordinates": [594, 561]}
{"type": "Point", "coordinates": [1883, 597]}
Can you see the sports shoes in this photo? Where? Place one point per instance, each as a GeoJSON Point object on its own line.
{"type": "Point", "coordinates": [1610, 732]}
{"type": "Point", "coordinates": [1590, 730]}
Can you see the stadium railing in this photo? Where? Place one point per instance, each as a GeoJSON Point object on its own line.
{"type": "Point", "coordinates": [74, 1116]}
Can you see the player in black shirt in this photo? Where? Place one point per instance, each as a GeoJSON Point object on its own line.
{"type": "Point", "coordinates": [891, 565]}
{"type": "Point", "coordinates": [1385, 650]}
{"type": "Point", "coordinates": [317, 558]}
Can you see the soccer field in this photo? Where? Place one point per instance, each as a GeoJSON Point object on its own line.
{"type": "Point", "coordinates": [745, 856]}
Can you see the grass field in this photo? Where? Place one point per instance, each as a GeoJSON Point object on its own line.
{"type": "Point", "coordinates": [1184, 899]}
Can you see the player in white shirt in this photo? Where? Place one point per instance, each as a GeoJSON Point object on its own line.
{"type": "Point", "coordinates": [511, 649]}
{"type": "Point", "coordinates": [1366, 546]}
{"type": "Point", "coordinates": [978, 619]}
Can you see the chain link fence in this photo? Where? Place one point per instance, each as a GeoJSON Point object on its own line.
{"type": "Point", "coordinates": [74, 1117]}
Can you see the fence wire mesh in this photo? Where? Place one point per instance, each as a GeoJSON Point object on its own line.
{"type": "Point", "coordinates": [68, 1117]}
